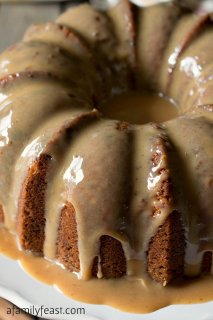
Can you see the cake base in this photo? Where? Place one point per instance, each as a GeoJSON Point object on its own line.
{"type": "Point", "coordinates": [131, 295]}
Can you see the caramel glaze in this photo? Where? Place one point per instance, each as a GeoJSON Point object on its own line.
{"type": "Point", "coordinates": [145, 107]}
{"type": "Point", "coordinates": [143, 188]}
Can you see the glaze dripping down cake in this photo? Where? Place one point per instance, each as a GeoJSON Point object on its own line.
{"type": "Point", "coordinates": [96, 194]}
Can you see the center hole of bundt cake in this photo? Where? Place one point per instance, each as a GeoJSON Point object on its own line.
{"type": "Point", "coordinates": [140, 108]}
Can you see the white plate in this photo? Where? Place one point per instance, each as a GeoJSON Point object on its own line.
{"type": "Point", "coordinates": [24, 291]}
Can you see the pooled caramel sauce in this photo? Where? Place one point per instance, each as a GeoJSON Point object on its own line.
{"type": "Point", "coordinates": [140, 108]}
{"type": "Point", "coordinates": [130, 295]}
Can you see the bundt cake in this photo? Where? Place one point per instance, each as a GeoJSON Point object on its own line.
{"type": "Point", "coordinates": [97, 194]}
